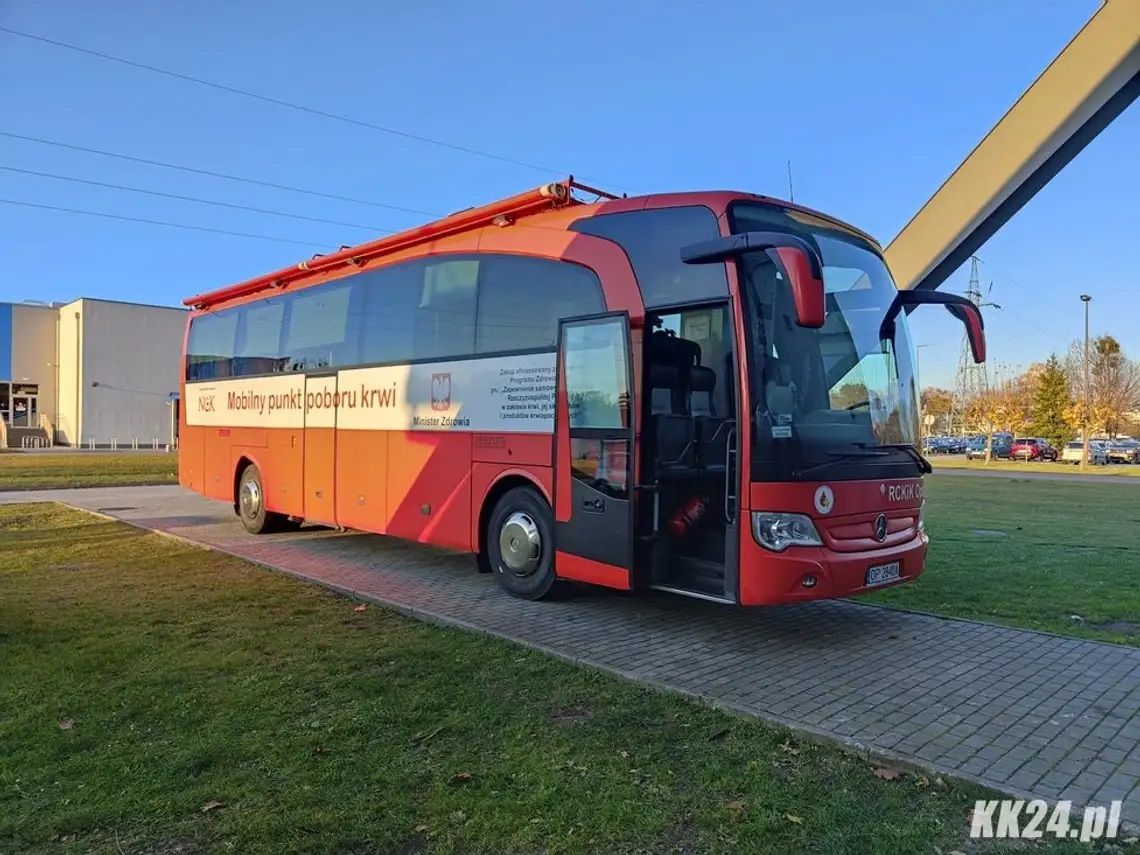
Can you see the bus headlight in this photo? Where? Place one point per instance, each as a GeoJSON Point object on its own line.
{"type": "Point", "coordinates": [776, 531]}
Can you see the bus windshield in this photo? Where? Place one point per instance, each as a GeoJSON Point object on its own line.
{"type": "Point", "coordinates": [839, 402]}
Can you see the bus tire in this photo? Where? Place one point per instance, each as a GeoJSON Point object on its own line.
{"type": "Point", "coordinates": [251, 504]}
{"type": "Point", "coordinates": [520, 544]}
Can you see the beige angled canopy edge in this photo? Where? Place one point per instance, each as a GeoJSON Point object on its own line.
{"type": "Point", "coordinates": [1094, 78]}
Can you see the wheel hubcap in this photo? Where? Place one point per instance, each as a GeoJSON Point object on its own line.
{"type": "Point", "coordinates": [520, 544]}
{"type": "Point", "coordinates": [250, 498]}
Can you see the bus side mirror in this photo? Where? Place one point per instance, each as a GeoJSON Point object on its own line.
{"type": "Point", "coordinates": [971, 316]}
{"type": "Point", "coordinates": [794, 256]}
{"type": "Point", "coordinates": [961, 308]}
{"type": "Point", "coordinates": [807, 286]}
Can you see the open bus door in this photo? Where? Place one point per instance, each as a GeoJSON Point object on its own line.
{"type": "Point", "coordinates": [593, 462]}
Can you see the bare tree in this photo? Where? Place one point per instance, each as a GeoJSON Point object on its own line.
{"type": "Point", "coordinates": [1114, 384]}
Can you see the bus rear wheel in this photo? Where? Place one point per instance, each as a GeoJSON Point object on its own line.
{"type": "Point", "coordinates": [520, 544]}
{"type": "Point", "coordinates": [251, 505]}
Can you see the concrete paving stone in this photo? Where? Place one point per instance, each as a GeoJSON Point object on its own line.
{"type": "Point", "coordinates": [1117, 786]}
{"type": "Point", "coordinates": [1113, 754]}
{"type": "Point", "coordinates": [1023, 779]}
{"type": "Point", "coordinates": [1088, 781]}
{"type": "Point", "coordinates": [1015, 709]}
{"type": "Point", "coordinates": [1130, 767]}
{"type": "Point", "coordinates": [974, 767]}
{"type": "Point", "coordinates": [1056, 779]}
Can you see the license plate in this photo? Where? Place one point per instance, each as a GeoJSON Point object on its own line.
{"type": "Point", "coordinates": [880, 574]}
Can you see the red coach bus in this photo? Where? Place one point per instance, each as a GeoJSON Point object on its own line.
{"type": "Point", "coordinates": [707, 393]}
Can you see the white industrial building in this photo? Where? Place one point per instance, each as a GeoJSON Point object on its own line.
{"type": "Point", "coordinates": [88, 372]}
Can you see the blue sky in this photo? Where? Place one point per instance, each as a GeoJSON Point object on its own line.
{"type": "Point", "coordinates": [874, 103]}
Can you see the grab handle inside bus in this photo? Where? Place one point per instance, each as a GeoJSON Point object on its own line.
{"type": "Point", "coordinates": [798, 263]}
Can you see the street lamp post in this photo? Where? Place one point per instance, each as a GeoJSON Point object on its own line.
{"type": "Point", "coordinates": [1086, 299]}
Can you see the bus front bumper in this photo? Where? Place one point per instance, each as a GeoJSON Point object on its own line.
{"type": "Point", "coordinates": [817, 573]}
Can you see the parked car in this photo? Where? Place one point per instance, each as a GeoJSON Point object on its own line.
{"type": "Point", "coordinates": [932, 444]}
{"type": "Point", "coordinates": [943, 445]}
{"type": "Point", "coordinates": [1073, 450]}
{"type": "Point", "coordinates": [976, 448]}
{"type": "Point", "coordinates": [1033, 448]}
{"type": "Point", "coordinates": [1124, 451]}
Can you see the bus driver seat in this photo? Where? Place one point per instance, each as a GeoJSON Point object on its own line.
{"type": "Point", "coordinates": [780, 391]}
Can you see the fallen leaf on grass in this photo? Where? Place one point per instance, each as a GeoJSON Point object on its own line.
{"type": "Point", "coordinates": [736, 808]}
{"type": "Point", "coordinates": [791, 817]}
{"type": "Point", "coordinates": [787, 747]}
{"type": "Point", "coordinates": [420, 829]}
{"type": "Point", "coordinates": [424, 736]}
{"type": "Point", "coordinates": [360, 608]}
{"type": "Point", "coordinates": [462, 778]}
{"type": "Point", "coordinates": [209, 806]}
{"type": "Point", "coordinates": [719, 733]}
{"type": "Point", "coordinates": [65, 723]}
{"type": "Point", "coordinates": [886, 773]}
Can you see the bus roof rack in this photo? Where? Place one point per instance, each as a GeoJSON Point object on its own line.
{"type": "Point", "coordinates": [586, 188]}
{"type": "Point", "coordinates": [557, 194]}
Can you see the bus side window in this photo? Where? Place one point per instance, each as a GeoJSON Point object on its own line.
{"type": "Point", "coordinates": [650, 238]}
{"type": "Point", "coordinates": [521, 300]}
{"type": "Point", "coordinates": [445, 317]}
{"type": "Point", "coordinates": [387, 298]}
{"type": "Point", "coordinates": [210, 346]}
{"type": "Point", "coordinates": [259, 332]}
{"type": "Point", "coordinates": [318, 334]}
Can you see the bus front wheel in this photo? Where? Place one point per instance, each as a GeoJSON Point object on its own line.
{"type": "Point", "coordinates": [520, 544]}
{"type": "Point", "coordinates": [251, 505]}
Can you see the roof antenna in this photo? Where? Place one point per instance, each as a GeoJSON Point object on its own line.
{"type": "Point", "coordinates": [791, 192]}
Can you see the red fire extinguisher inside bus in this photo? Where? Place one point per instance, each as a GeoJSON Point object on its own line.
{"type": "Point", "coordinates": [688, 516]}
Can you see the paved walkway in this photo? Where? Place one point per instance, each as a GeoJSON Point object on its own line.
{"type": "Point", "coordinates": [1024, 712]}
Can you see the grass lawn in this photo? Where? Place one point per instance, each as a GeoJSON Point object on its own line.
{"type": "Point", "coordinates": [158, 697]}
{"type": "Point", "coordinates": [45, 471]}
{"type": "Point", "coordinates": [1122, 470]}
{"type": "Point", "coordinates": [1032, 554]}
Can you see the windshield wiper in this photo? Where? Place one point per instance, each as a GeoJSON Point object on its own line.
{"type": "Point", "coordinates": [839, 456]}
{"type": "Point", "coordinates": [866, 450]}
{"type": "Point", "coordinates": [915, 454]}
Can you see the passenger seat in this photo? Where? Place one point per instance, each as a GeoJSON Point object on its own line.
{"type": "Point", "coordinates": [711, 432]}
{"type": "Point", "coordinates": [672, 430]}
